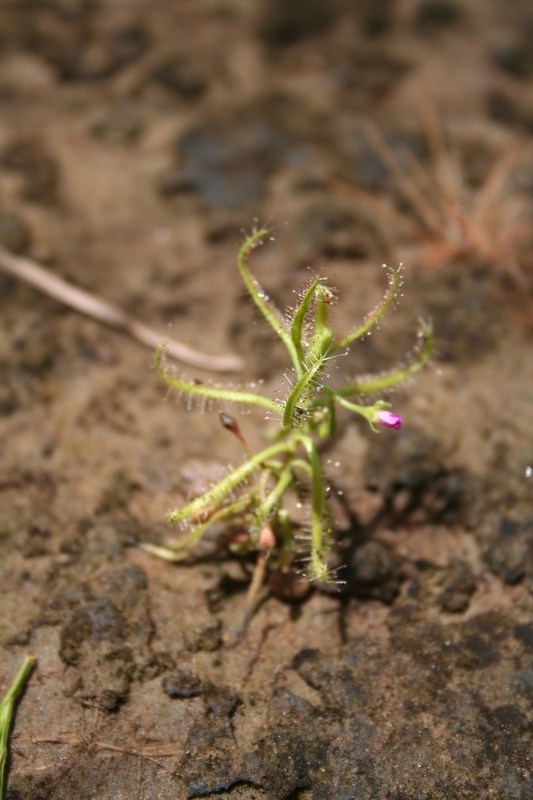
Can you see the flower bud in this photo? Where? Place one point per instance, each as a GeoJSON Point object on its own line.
{"type": "Point", "coordinates": [389, 420]}
{"type": "Point", "coordinates": [267, 540]}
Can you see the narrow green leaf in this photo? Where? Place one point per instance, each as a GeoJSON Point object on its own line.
{"type": "Point", "coordinates": [379, 383]}
{"type": "Point", "coordinates": [318, 555]}
{"type": "Point", "coordinates": [299, 317]}
{"type": "Point", "coordinates": [300, 388]}
{"type": "Point", "coordinates": [322, 333]}
{"type": "Point", "coordinates": [180, 549]}
{"type": "Point", "coordinates": [209, 391]}
{"type": "Point", "coordinates": [374, 315]}
{"type": "Point", "coordinates": [7, 707]}
{"type": "Point", "coordinates": [267, 308]}
{"type": "Point", "coordinates": [216, 494]}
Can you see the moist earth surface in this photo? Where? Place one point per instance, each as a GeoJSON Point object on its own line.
{"type": "Point", "coordinates": [137, 141]}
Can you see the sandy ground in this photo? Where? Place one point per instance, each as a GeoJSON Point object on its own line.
{"type": "Point", "coordinates": [137, 141]}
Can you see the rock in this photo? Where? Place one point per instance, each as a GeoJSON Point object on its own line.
{"type": "Point", "coordinates": [97, 629]}
{"type": "Point", "coordinates": [458, 589]}
{"type": "Point", "coordinates": [208, 762]}
{"type": "Point", "coordinates": [289, 586]}
{"type": "Point", "coordinates": [182, 684]}
{"type": "Point", "coordinates": [524, 634]}
{"type": "Point", "coordinates": [220, 700]}
{"type": "Point", "coordinates": [203, 636]}
{"type": "Point", "coordinates": [107, 635]}
{"type": "Point", "coordinates": [156, 664]}
{"type": "Point", "coordinates": [508, 555]}
{"type": "Point", "coordinates": [122, 125]}
{"type": "Point", "coordinates": [373, 571]}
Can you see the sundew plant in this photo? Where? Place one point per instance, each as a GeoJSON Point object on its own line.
{"type": "Point", "coordinates": [253, 492]}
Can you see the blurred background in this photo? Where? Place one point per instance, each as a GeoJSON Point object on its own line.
{"type": "Point", "coordinates": [137, 141]}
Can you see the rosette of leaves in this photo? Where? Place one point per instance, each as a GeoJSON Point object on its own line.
{"type": "Point", "coordinates": [253, 492]}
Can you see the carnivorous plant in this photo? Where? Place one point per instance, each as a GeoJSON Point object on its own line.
{"type": "Point", "coordinates": [253, 491]}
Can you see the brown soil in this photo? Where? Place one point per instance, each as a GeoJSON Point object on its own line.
{"type": "Point", "coordinates": [136, 141]}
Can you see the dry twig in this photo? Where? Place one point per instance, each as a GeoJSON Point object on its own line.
{"type": "Point", "coordinates": [124, 751]}
{"type": "Point", "coordinates": [108, 313]}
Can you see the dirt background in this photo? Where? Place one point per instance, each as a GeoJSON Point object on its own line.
{"type": "Point", "coordinates": [137, 140]}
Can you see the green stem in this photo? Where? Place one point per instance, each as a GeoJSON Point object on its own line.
{"type": "Point", "coordinates": [178, 550]}
{"type": "Point", "coordinates": [287, 537]}
{"type": "Point", "coordinates": [6, 712]}
{"type": "Point", "coordinates": [368, 412]}
{"type": "Point", "coordinates": [301, 386]}
{"type": "Point", "coordinates": [299, 463]}
{"type": "Point", "coordinates": [266, 508]}
{"type": "Point", "coordinates": [318, 561]}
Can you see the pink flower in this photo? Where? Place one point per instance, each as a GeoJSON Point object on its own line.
{"type": "Point", "coordinates": [389, 420]}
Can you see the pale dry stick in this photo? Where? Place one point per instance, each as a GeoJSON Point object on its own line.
{"type": "Point", "coordinates": [484, 208]}
{"type": "Point", "coordinates": [112, 747]}
{"type": "Point", "coordinates": [445, 169]}
{"type": "Point", "coordinates": [126, 752]}
{"type": "Point", "coordinates": [251, 597]}
{"type": "Point", "coordinates": [439, 199]}
{"type": "Point", "coordinates": [108, 313]}
{"type": "Point", "coordinates": [256, 655]}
